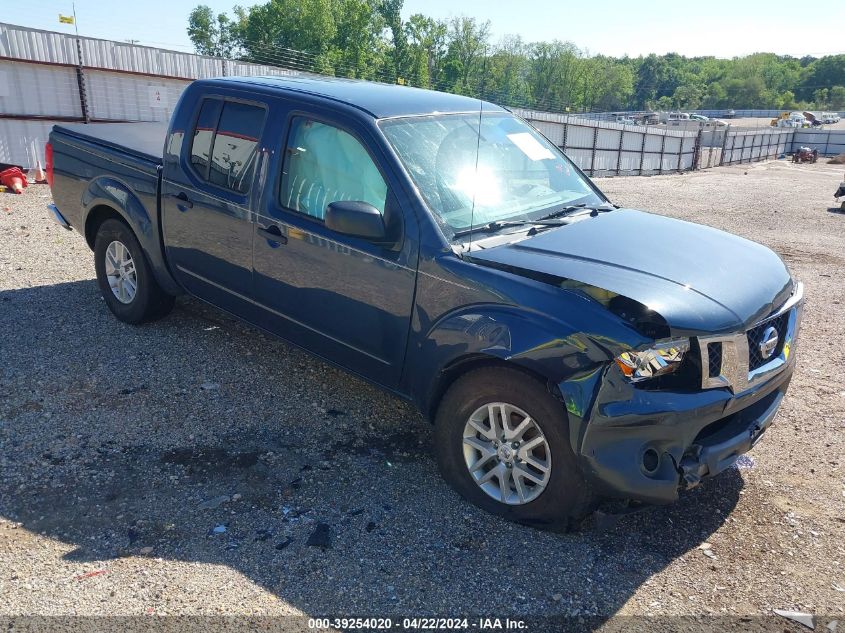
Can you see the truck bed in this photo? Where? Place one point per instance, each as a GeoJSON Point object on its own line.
{"type": "Point", "coordinates": [141, 140]}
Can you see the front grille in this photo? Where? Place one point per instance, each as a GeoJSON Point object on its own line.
{"type": "Point", "coordinates": [755, 334]}
{"type": "Point", "coordinates": [714, 359]}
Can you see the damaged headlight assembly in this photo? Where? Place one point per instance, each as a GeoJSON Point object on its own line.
{"type": "Point", "coordinates": [664, 358]}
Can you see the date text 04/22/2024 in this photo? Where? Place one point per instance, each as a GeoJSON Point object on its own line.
{"type": "Point", "coordinates": [422, 624]}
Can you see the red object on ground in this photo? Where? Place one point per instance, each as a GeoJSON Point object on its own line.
{"type": "Point", "coordinates": [91, 574]}
{"type": "Point", "coordinates": [14, 179]}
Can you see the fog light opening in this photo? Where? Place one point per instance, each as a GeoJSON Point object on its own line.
{"type": "Point", "coordinates": [651, 461]}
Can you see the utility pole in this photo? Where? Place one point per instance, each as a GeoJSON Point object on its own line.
{"type": "Point", "coordinates": [80, 73]}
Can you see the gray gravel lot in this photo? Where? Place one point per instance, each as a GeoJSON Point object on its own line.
{"type": "Point", "coordinates": [123, 448]}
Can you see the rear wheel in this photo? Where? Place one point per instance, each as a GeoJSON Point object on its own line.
{"type": "Point", "coordinates": [126, 282]}
{"type": "Point", "coordinates": [502, 442]}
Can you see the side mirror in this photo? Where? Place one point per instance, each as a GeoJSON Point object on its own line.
{"type": "Point", "coordinates": [355, 218]}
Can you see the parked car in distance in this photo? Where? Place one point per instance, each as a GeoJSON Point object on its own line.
{"type": "Point", "coordinates": [730, 114]}
{"type": "Point", "coordinates": [699, 117]}
{"type": "Point", "coordinates": [443, 249]}
{"type": "Point", "coordinates": [650, 118]}
{"type": "Point", "coordinates": [673, 117]}
{"type": "Point", "coordinates": [625, 120]}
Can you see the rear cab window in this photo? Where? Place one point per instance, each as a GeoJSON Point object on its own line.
{"type": "Point", "coordinates": [224, 147]}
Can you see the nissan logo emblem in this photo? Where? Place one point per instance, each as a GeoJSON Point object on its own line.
{"type": "Point", "coordinates": [768, 343]}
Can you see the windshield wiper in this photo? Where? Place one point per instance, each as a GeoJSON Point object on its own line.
{"type": "Point", "coordinates": [572, 208]}
{"type": "Point", "coordinates": [492, 227]}
{"type": "Point", "coordinates": [546, 220]}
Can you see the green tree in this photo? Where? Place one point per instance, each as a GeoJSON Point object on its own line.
{"type": "Point", "coordinates": [506, 77]}
{"type": "Point", "coordinates": [821, 97]}
{"type": "Point", "coordinates": [825, 72]}
{"type": "Point", "coordinates": [391, 11]}
{"type": "Point", "coordinates": [554, 75]}
{"type": "Point", "coordinates": [210, 34]}
{"type": "Point", "coordinates": [688, 97]}
{"type": "Point", "coordinates": [293, 33]}
{"type": "Point", "coordinates": [837, 98]}
{"type": "Point", "coordinates": [369, 39]}
{"type": "Point", "coordinates": [467, 49]}
{"type": "Point", "coordinates": [357, 49]}
{"type": "Point", "coordinates": [427, 45]}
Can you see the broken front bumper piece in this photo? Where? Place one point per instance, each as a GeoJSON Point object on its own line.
{"type": "Point", "coordinates": [719, 450]}
{"type": "Point", "coordinates": [648, 445]}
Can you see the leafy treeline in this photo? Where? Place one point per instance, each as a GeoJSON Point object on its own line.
{"type": "Point", "coordinates": [368, 39]}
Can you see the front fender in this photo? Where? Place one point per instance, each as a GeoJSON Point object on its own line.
{"type": "Point", "coordinates": [545, 346]}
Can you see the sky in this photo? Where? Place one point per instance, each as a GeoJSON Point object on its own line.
{"type": "Point", "coordinates": [611, 27]}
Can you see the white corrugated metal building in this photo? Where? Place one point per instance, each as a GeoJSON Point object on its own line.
{"type": "Point", "coordinates": [39, 84]}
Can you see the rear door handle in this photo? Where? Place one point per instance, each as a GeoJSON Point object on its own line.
{"type": "Point", "coordinates": [184, 202]}
{"type": "Point", "coordinates": [273, 234]}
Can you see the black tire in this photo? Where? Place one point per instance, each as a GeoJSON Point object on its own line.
{"type": "Point", "coordinates": [150, 301]}
{"type": "Point", "coordinates": [567, 498]}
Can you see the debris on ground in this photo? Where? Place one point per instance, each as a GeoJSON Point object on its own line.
{"type": "Point", "coordinates": [144, 551]}
{"type": "Point", "coordinates": [218, 529]}
{"type": "Point", "coordinates": [91, 574]}
{"type": "Point", "coordinates": [837, 160]}
{"type": "Point", "coordinates": [214, 503]}
{"type": "Point", "coordinates": [321, 536]}
{"type": "Point", "coordinates": [800, 617]}
{"type": "Point", "coordinates": [744, 462]}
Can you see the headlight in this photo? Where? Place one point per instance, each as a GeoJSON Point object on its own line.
{"type": "Point", "coordinates": [664, 358]}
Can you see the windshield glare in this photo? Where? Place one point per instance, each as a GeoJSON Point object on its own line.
{"type": "Point", "coordinates": [509, 171]}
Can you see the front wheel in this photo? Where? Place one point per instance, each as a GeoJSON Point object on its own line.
{"type": "Point", "coordinates": [502, 442]}
{"type": "Point", "coordinates": [126, 282]}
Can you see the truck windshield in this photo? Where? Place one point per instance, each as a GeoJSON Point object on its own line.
{"type": "Point", "coordinates": [471, 175]}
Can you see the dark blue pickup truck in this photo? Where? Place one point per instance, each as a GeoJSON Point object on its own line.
{"type": "Point", "coordinates": [566, 349]}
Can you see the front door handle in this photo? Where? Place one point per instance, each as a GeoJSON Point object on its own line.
{"type": "Point", "coordinates": [184, 202]}
{"type": "Point", "coordinates": [273, 234]}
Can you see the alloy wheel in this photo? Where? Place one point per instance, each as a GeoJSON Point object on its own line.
{"type": "Point", "coordinates": [506, 453]}
{"type": "Point", "coordinates": [121, 273]}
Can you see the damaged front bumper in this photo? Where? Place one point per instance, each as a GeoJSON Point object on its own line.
{"type": "Point", "coordinates": [647, 445]}
{"type": "Point", "coordinates": [653, 445]}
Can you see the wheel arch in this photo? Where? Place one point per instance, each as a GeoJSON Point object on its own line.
{"type": "Point", "coordinates": [95, 218]}
{"type": "Point", "coordinates": [464, 365]}
{"type": "Point", "coordinates": [546, 348]}
{"type": "Point", "coordinates": [109, 198]}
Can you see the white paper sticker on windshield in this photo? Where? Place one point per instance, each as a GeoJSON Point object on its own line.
{"type": "Point", "coordinates": [530, 146]}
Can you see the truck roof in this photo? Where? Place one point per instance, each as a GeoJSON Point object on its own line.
{"type": "Point", "coordinates": [377, 99]}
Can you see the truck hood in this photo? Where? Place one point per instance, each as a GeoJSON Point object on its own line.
{"type": "Point", "coordinates": [699, 279]}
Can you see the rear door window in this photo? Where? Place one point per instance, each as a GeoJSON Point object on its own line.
{"type": "Point", "coordinates": [225, 143]}
{"type": "Point", "coordinates": [236, 146]}
{"type": "Point", "coordinates": [204, 135]}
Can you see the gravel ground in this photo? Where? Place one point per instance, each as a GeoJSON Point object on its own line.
{"type": "Point", "coordinates": [193, 466]}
